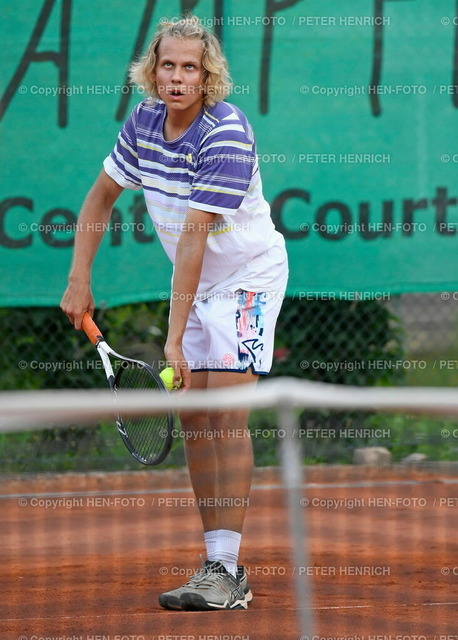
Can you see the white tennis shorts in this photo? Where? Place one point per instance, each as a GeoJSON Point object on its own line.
{"type": "Point", "coordinates": [232, 331]}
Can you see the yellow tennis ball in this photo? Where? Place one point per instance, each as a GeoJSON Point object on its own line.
{"type": "Point", "coordinates": [167, 378]}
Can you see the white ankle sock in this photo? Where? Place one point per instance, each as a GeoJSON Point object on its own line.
{"type": "Point", "coordinates": [210, 544]}
{"type": "Point", "coordinates": [226, 549]}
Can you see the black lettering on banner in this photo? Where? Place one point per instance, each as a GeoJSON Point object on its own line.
{"type": "Point", "coordinates": [277, 211]}
{"type": "Point", "coordinates": [377, 56]}
{"type": "Point", "coordinates": [59, 58]}
{"type": "Point", "coordinates": [51, 223]}
{"type": "Point", "coordinates": [137, 51]}
{"type": "Point", "coordinates": [272, 7]}
{"type": "Point", "coordinates": [409, 206]}
{"type": "Point", "coordinates": [188, 6]}
{"type": "Point", "coordinates": [441, 202]}
{"type": "Point", "coordinates": [6, 240]}
{"type": "Point", "coordinates": [116, 228]}
{"type": "Point", "coordinates": [455, 60]}
{"type": "Point", "coordinates": [339, 230]}
{"type": "Point", "coordinates": [63, 221]}
{"type": "Point", "coordinates": [219, 15]}
{"type": "Point", "coordinates": [372, 230]}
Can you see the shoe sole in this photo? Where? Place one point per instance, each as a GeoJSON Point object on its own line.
{"type": "Point", "coordinates": [170, 602]}
{"type": "Point", "coordinates": [196, 602]}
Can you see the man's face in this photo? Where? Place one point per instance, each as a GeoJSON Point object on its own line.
{"type": "Point", "coordinates": [179, 74]}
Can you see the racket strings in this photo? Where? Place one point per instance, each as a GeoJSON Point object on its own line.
{"type": "Point", "coordinates": [147, 436]}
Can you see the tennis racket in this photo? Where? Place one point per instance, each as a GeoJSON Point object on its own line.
{"type": "Point", "coordinates": [148, 438]}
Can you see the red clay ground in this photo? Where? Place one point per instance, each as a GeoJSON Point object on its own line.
{"type": "Point", "coordinates": [91, 564]}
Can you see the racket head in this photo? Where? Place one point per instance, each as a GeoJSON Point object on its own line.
{"type": "Point", "coordinates": [148, 438]}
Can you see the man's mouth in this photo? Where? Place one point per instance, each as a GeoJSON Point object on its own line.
{"type": "Point", "coordinates": [176, 92]}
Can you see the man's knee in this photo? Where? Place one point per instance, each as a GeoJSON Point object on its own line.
{"type": "Point", "coordinates": [194, 420]}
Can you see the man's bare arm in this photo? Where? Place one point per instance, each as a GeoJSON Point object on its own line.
{"type": "Point", "coordinates": [93, 220]}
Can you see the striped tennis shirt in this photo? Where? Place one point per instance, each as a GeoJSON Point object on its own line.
{"type": "Point", "coordinates": [212, 167]}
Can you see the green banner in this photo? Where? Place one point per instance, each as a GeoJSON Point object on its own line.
{"type": "Point", "coordinates": [354, 107]}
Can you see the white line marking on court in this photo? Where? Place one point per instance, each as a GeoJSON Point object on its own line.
{"type": "Point", "coordinates": [346, 606]}
{"type": "Point", "coordinates": [262, 487]}
{"type": "Point", "coordinates": [349, 606]}
{"type": "Point", "coordinates": [391, 604]}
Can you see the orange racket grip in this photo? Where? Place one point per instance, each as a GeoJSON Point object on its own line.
{"type": "Point", "coordinates": [91, 329]}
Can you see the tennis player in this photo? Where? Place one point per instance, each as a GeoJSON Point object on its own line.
{"type": "Point", "coordinates": [194, 156]}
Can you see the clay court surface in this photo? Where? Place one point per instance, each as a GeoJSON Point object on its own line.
{"type": "Point", "coordinates": [86, 555]}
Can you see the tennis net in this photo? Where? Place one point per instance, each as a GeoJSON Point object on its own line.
{"type": "Point", "coordinates": [331, 551]}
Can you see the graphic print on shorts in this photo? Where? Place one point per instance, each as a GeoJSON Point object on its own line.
{"type": "Point", "coordinates": [250, 328]}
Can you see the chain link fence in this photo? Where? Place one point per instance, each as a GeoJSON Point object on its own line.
{"type": "Point", "coordinates": [407, 340]}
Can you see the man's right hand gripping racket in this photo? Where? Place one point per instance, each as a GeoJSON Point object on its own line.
{"type": "Point", "coordinates": [149, 438]}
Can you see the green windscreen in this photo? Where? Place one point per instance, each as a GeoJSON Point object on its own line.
{"type": "Point", "coordinates": [354, 108]}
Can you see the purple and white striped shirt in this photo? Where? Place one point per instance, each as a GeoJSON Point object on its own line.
{"type": "Point", "coordinates": [212, 167]}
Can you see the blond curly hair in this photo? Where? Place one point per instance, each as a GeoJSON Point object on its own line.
{"type": "Point", "coordinates": [217, 82]}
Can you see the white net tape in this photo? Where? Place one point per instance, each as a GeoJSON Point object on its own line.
{"type": "Point", "coordinates": [31, 408]}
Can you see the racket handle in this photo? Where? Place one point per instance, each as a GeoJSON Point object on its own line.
{"type": "Point", "coordinates": [91, 329]}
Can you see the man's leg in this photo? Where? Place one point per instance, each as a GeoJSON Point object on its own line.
{"type": "Point", "coordinates": [201, 461]}
{"type": "Point", "coordinates": [233, 453]}
{"type": "Point", "coordinates": [220, 463]}
{"type": "Point", "coordinates": [219, 455]}
{"type": "Point", "coordinates": [200, 456]}
{"type": "Point", "coordinates": [222, 491]}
